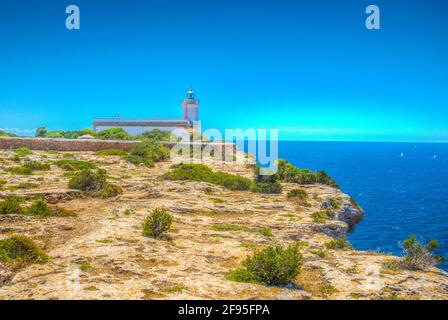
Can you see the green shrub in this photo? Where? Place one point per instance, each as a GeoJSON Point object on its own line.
{"type": "Point", "coordinates": [354, 204]}
{"type": "Point", "coordinates": [25, 185]}
{"type": "Point", "coordinates": [147, 152]}
{"type": "Point", "coordinates": [338, 244]}
{"type": "Point", "coordinates": [114, 134]}
{"type": "Point", "coordinates": [230, 181]}
{"type": "Point", "coordinates": [392, 264]}
{"type": "Point", "coordinates": [270, 266]}
{"type": "Point", "coordinates": [419, 257]}
{"type": "Point", "coordinates": [267, 188]}
{"type": "Point", "coordinates": [11, 205]}
{"type": "Point", "coordinates": [21, 249]}
{"type": "Point", "coordinates": [156, 134]}
{"type": "Point", "coordinates": [300, 194]}
{"type": "Point", "coordinates": [112, 190]}
{"type": "Point", "coordinates": [321, 216]}
{"type": "Point", "coordinates": [29, 167]}
{"type": "Point", "coordinates": [158, 223]}
{"type": "Point", "coordinates": [20, 170]}
{"type": "Point", "coordinates": [200, 172]}
{"type": "Point", "coordinates": [2, 182]}
{"type": "Point", "coordinates": [89, 181]}
{"type": "Point", "coordinates": [289, 173]}
{"type": "Point", "coordinates": [39, 208]}
{"type": "Point", "coordinates": [112, 152]}
{"type": "Point", "coordinates": [41, 132]}
{"type": "Point", "coordinates": [74, 165]}
{"type": "Point", "coordinates": [335, 203]}
{"type": "Point", "coordinates": [37, 166]}
{"type": "Point", "coordinates": [140, 160]}
{"type": "Point", "coordinates": [22, 152]}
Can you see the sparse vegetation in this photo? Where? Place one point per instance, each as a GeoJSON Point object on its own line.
{"type": "Point", "coordinates": [112, 190]}
{"type": "Point", "coordinates": [24, 185]}
{"type": "Point", "coordinates": [418, 256]}
{"type": "Point", "coordinates": [112, 152]}
{"type": "Point", "coordinates": [265, 231]}
{"type": "Point", "coordinates": [299, 194]}
{"type": "Point", "coordinates": [338, 244]}
{"type": "Point", "coordinates": [270, 266]}
{"type": "Point", "coordinates": [289, 173]}
{"type": "Point", "coordinates": [39, 209]}
{"type": "Point", "coordinates": [90, 181]}
{"type": "Point", "coordinates": [85, 266]}
{"type": "Point", "coordinates": [268, 188]}
{"type": "Point", "coordinates": [19, 248]}
{"type": "Point", "coordinates": [147, 152]}
{"type": "Point", "coordinates": [200, 172]}
{"type": "Point", "coordinates": [29, 167]}
{"type": "Point", "coordinates": [321, 216]}
{"type": "Point", "coordinates": [11, 205]}
{"type": "Point", "coordinates": [113, 134]}
{"type": "Point", "coordinates": [320, 253]}
{"type": "Point", "coordinates": [157, 224]}
{"type": "Point", "coordinates": [74, 165]}
{"type": "Point", "coordinates": [22, 152]}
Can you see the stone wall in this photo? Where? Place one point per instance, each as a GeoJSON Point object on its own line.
{"type": "Point", "coordinates": [74, 144]}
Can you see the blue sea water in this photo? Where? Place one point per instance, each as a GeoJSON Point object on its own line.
{"type": "Point", "coordinates": [403, 187]}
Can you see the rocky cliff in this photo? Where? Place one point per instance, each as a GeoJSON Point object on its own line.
{"type": "Point", "coordinates": [101, 253]}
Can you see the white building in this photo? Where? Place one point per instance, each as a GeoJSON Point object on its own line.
{"type": "Point", "coordinates": [190, 108]}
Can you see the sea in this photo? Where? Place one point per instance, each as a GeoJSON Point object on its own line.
{"type": "Point", "coordinates": [403, 188]}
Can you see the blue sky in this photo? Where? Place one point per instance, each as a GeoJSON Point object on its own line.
{"type": "Point", "coordinates": [309, 68]}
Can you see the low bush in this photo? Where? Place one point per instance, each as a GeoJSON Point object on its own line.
{"type": "Point", "coordinates": [19, 248]}
{"type": "Point", "coordinates": [418, 256]}
{"type": "Point", "coordinates": [270, 266]}
{"type": "Point", "coordinates": [321, 216]}
{"type": "Point", "coordinates": [300, 194]}
{"type": "Point", "coordinates": [338, 244]}
{"type": "Point", "coordinates": [24, 185]}
{"type": "Point", "coordinates": [158, 135]}
{"type": "Point", "coordinates": [200, 172]}
{"type": "Point", "coordinates": [29, 167]}
{"type": "Point", "coordinates": [2, 182]}
{"type": "Point", "coordinates": [157, 224]}
{"type": "Point", "coordinates": [89, 180]}
{"type": "Point", "coordinates": [74, 165]}
{"type": "Point", "coordinates": [112, 190]}
{"type": "Point", "coordinates": [112, 152]}
{"type": "Point", "coordinates": [11, 205]}
{"type": "Point", "coordinates": [22, 152]}
{"type": "Point", "coordinates": [267, 188]}
{"type": "Point", "coordinates": [147, 152]}
{"type": "Point", "coordinates": [113, 134]}
{"type": "Point", "coordinates": [39, 209]}
{"type": "Point", "coordinates": [289, 173]}
{"type": "Point", "coordinates": [231, 181]}
{"type": "Point", "coordinates": [22, 170]}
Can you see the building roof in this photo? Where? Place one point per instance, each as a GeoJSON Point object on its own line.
{"type": "Point", "coordinates": [123, 122]}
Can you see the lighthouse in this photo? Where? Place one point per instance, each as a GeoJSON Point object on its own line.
{"type": "Point", "coordinates": [190, 107]}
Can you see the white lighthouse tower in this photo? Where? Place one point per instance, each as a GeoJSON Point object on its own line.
{"type": "Point", "coordinates": [190, 107]}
